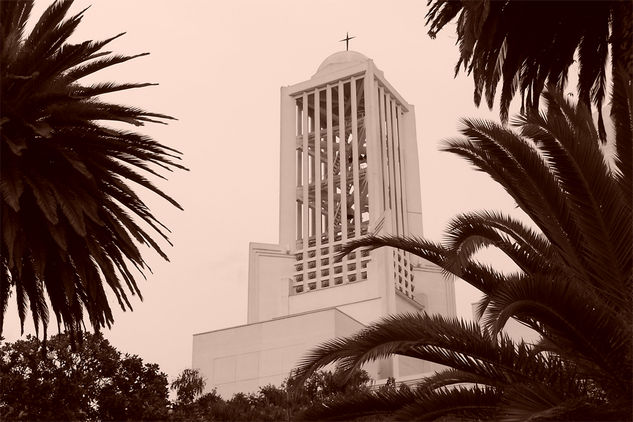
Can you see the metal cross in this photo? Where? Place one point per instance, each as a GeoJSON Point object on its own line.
{"type": "Point", "coordinates": [346, 39]}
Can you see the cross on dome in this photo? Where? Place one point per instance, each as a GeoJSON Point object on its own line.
{"type": "Point", "coordinates": [346, 39]}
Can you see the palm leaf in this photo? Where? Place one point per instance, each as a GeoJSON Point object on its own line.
{"type": "Point", "coordinates": [499, 43]}
{"type": "Point", "coordinates": [595, 202]}
{"type": "Point", "coordinates": [622, 113]}
{"type": "Point", "coordinates": [67, 232]}
{"type": "Point", "coordinates": [449, 342]}
{"type": "Point", "coordinates": [359, 405]}
{"type": "Point", "coordinates": [468, 233]}
{"type": "Point", "coordinates": [569, 317]}
{"type": "Point", "coordinates": [459, 403]}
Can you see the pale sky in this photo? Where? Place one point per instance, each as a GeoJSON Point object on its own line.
{"type": "Point", "coordinates": [220, 65]}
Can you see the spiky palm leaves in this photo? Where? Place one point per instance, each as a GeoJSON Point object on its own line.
{"type": "Point", "coordinates": [70, 221]}
{"type": "Point", "coordinates": [531, 44]}
{"type": "Point", "coordinates": [573, 284]}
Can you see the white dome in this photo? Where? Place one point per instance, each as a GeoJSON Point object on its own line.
{"type": "Point", "coordinates": [341, 59]}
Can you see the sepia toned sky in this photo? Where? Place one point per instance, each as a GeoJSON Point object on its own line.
{"type": "Point", "coordinates": [220, 65]}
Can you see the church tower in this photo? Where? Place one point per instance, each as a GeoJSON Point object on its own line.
{"type": "Point", "coordinates": [349, 167]}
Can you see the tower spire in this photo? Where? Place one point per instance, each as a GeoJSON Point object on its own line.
{"type": "Point", "coordinates": [346, 39]}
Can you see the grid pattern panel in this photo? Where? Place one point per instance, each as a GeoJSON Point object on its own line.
{"type": "Point", "coordinates": [403, 273]}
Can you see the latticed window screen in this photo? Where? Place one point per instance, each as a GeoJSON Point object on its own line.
{"type": "Point", "coordinates": [332, 204]}
{"type": "Point", "coordinates": [403, 273]}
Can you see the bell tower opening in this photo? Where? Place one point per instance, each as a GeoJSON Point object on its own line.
{"type": "Point", "coordinates": [350, 133]}
{"type": "Point", "coordinates": [332, 201]}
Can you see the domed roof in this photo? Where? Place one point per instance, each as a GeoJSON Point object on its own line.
{"type": "Point", "coordinates": [341, 59]}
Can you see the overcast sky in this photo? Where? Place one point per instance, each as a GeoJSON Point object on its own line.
{"type": "Point", "coordinates": [220, 66]}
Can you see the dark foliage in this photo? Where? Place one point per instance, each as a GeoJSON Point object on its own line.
{"type": "Point", "coordinates": [189, 384]}
{"type": "Point", "coordinates": [288, 402]}
{"type": "Point", "coordinates": [527, 45]}
{"type": "Point", "coordinates": [71, 224]}
{"type": "Point", "coordinates": [90, 381]}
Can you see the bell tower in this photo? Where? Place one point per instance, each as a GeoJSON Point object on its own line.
{"type": "Point", "coordinates": [348, 168]}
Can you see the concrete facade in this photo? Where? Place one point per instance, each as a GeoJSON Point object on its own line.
{"type": "Point", "coordinates": [349, 168]}
{"type": "Point", "coordinates": [241, 359]}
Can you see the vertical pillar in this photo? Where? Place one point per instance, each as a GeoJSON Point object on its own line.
{"type": "Point", "coordinates": [373, 172]}
{"type": "Point", "coordinates": [342, 157]}
{"type": "Point", "coordinates": [411, 171]}
{"type": "Point", "coordinates": [299, 152]}
{"type": "Point", "coordinates": [316, 181]}
{"type": "Point", "coordinates": [355, 169]}
{"type": "Point", "coordinates": [287, 163]}
{"type": "Point", "coordinates": [306, 182]}
{"type": "Point", "coordinates": [343, 170]}
{"type": "Point", "coordinates": [399, 212]}
{"type": "Point", "coordinates": [330, 179]}
{"type": "Point", "coordinates": [402, 179]}
{"type": "Point", "coordinates": [355, 165]}
{"type": "Point", "coordinates": [392, 164]}
{"type": "Point", "coordinates": [384, 150]}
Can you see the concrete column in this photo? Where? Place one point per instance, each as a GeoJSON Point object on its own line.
{"type": "Point", "coordinates": [392, 166]}
{"type": "Point", "coordinates": [395, 144]}
{"type": "Point", "coordinates": [330, 179]}
{"type": "Point", "coordinates": [343, 170]}
{"type": "Point", "coordinates": [287, 179]}
{"type": "Point", "coordinates": [355, 170]}
{"type": "Point", "coordinates": [411, 171]}
{"type": "Point", "coordinates": [316, 182]}
{"type": "Point", "coordinates": [382, 143]}
{"type": "Point", "coordinates": [373, 172]}
{"type": "Point", "coordinates": [306, 183]}
{"type": "Point", "coordinates": [401, 172]}
{"type": "Point", "coordinates": [355, 165]}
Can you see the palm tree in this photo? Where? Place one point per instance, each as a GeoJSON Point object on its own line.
{"type": "Point", "coordinates": [531, 44]}
{"type": "Point", "coordinates": [71, 223]}
{"type": "Point", "coordinates": [573, 285]}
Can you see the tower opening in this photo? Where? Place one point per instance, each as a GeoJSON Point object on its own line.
{"type": "Point", "coordinates": [332, 200]}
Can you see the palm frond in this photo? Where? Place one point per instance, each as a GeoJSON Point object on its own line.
{"type": "Point", "coordinates": [499, 43]}
{"type": "Point", "coordinates": [518, 167]}
{"type": "Point", "coordinates": [523, 402]}
{"type": "Point", "coordinates": [451, 377]}
{"type": "Point", "coordinates": [94, 66]}
{"type": "Point", "coordinates": [423, 248]}
{"type": "Point", "coordinates": [66, 202]}
{"type": "Point", "coordinates": [460, 403]}
{"type": "Point", "coordinates": [482, 277]}
{"type": "Point", "coordinates": [454, 343]}
{"type": "Point", "coordinates": [467, 233]}
{"type": "Point", "coordinates": [440, 13]}
{"type": "Point", "coordinates": [570, 317]}
{"type": "Point", "coordinates": [374, 403]}
{"type": "Point", "coordinates": [16, 15]}
{"type": "Point", "coordinates": [570, 144]}
{"type": "Point", "coordinates": [622, 113]}
{"type": "Point", "coordinates": [550, 202]}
